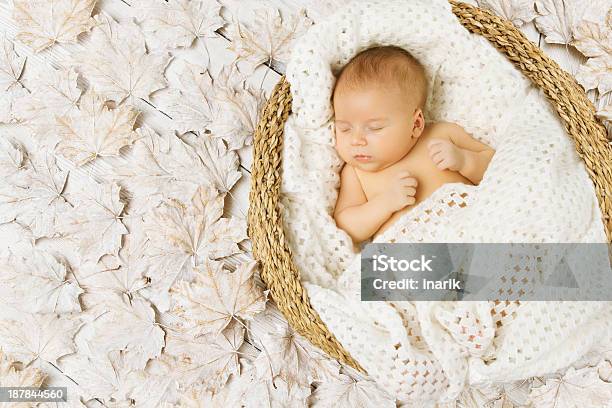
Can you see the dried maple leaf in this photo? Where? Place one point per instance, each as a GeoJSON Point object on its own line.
{"type": "Point", "coordinates": [95, 224]}
{"type": "Point", "coordinates": [276, 393]}
{"type": "Point", "coordinates": [351, 393]}
{"type": "Point", "coordinates": [221, 165]}
{"type": "Point", "coordinates": [169, 166]}
{"type": "Point", "coordinates": [211, 358]}
{"type": "Point", "coordinates": [12, 374]}
{"type": "Point", "coordinates": [11, 70]}
{"type": "Point", "coordinates": [593, 39]}
{"type": "Point", "coordinates": [228, 396]}
{"type": "Point", "coordinates": [217, 297]}
{"type": "Point", "coordinates": [12, 157]}
{"type": "Point", "coordinates": [38, 336]}
{"type": "Point", "coordinates": [103, 376]}
{"type": "Point", "coordinates": [9, 102]}
{"type": "Point", "coordinates": [227, 108]}
{"type": "Point", "coordinates": [34, 197]}
{"type": "Point", "coordinates": [236, 110]}
{"type": "Point", "coordinates": [55, 93]}
{"type": "Point", "coordinates": [518, 11]}
{"type": "Point", "coordinates": [596, 73]}
{"type": "Point", "coordinates": [182, 236]}
{"type": "Point", "coordinates": [123, 324]}
{"type": "Point", "coordinates": [288, 356]}
{"type": "Point", "coordinates": [556, 19]}
{"type": "Point", "coordinates": [95, 130]}
{"type": "Point", "coordinates": [582, 385]}
{"type": "Point", "coordinates": [269, 38]}
{"type": "Point", "coordinates": [38, 283]}
{"type": "Point", "coordinates": [188, 101]}
{"type": "Point", "coordinates": [44, 23]}
{"type": "Point", "coordinates": [177, 23]}
{"type": "Point", "coordinates": [11, 65]}
{"type": "Point", "coordinates": [116, 62]}
{"type": "Point", "coordinates": [125, 278]}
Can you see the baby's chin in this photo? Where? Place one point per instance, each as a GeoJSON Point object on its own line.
{"type": "Point", "coordinates": [371, 166]}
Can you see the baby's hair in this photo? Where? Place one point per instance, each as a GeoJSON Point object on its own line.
{"type": "Point", "coordinates": [384, 65]}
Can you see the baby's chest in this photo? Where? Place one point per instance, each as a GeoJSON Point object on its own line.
{"type": "Point", "coordinates": [428, 178]}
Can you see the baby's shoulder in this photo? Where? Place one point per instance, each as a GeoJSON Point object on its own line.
{"type": "Point", "coordinates": [441, 130]}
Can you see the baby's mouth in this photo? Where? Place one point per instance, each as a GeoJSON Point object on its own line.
{"type": "Point", "coordinates": [362, 157]}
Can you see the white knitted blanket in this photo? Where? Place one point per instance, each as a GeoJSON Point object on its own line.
{"type": "Point", "coordinates": [536, 189]}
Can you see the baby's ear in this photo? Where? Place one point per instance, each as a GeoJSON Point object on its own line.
{"type": "Point", "coordinates": [419, 123]}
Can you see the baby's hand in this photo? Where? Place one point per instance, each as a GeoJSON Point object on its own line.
{"type": "Point", "coordinates": [445, 154]}
{"type": "Point", "coordinates": [402, 191]}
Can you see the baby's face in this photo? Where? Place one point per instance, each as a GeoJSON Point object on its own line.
{"type": "Point", "coordinates": [374, 122]}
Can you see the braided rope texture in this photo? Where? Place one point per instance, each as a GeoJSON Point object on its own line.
{"type": "Point", "coordinates": [265, 226]}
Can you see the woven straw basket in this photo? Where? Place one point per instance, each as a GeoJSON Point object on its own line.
{"type": "Point", "coordinates": [265, 227]}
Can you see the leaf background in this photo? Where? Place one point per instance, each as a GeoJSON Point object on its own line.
{"type": "Point", "coordinates": [114, 329]}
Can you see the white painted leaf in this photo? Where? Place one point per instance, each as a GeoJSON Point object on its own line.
{"type": "Point", "coordinates": [13, 374]}
{"type": "Point", "coordinates": [557, 18]}
{"type": "Point", "coordinates": [9, 102]}
{"type": "Point", "coordinates": [593, 39]}
{"type": "Point", "coordinates": [175, 168]}
{"type": "Point", "coordinates": [582, 385]}
{"type": "Point", "coordinates": [183, 237]}
{"type": "Point", "coordinates": [177, 23]}
{"type": "Point", "coordinates": [35, 197]}
{"type": "Point", "coordinates": [55, 94]}
{"type": "Point", "coordinates": [276, 393]}
{"type": "Point", "coordinates": [236, 108]}
{"type": "Point", "coordinates": [269, 38]}
{"type": "Point", "coordinates": [125, 278]}
{"type": "Point", "coordinates": [228, 396]}
{"type": "Point", "coordinates": [351, 393]}
{"type": "Point", "coordinates": [117, 64]}
{"type": "Point", "coordinates": [12, 157]}
{"type": "Point", "coordinates": [11, 65]}
{"type": "Point", "coordinates": [211, 358]}
{"type": "Point", "coordinates": [216, 297]}
{"type": "Point", "coordinates": [95, 130]}
{"type": "Point", "coordinates": [290, 357]}
{"type": "Point", "coordinates": [221, 165]}
{"type": "Point", "coordinates": [518, 11]}
{"type": "Point", "coordinates": [43, 23]}
{"type": "Point", "coordinates": [596, 74]}
{"type": "Point", "coordinates": [38, 283]}
{"type": "Point", "coordinates": [227, 108]}
{"type": "Point", "coordinates": [95, 224]}
{"type": "Point", "coordinates": [11, 70]}
{"type": "Point", "coordinates": [128, 325]}
{"type": "Point", "coordinates": [38, 336]}
{"type": "Point", "coordinates": [187, 102]}
{"type": "Point", "coordinates": [103, 376]}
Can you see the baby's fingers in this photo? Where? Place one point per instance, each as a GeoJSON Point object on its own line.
{"type": "Point", "coordinates": [443, 165]}
{"type": "Point", "coordinates": [434, 142]}
{"type": "Point", "coordinates": [409, 182]}
{"type": "Point", "coordinates": [438, 157]}
{"type": "Point", "coordinates": [409, 191]}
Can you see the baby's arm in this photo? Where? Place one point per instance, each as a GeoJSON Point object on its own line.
{"type": "Point", "coordinates": [472, 158]}
{"type": "Point", "coordinates": [354, 214]}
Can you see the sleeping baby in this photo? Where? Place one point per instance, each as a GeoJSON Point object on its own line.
{"type": "Point", "coordinates": [393, 160]}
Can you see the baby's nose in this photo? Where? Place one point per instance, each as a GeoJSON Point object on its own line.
{"type": "Point", "coordinates": [357, 138]}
